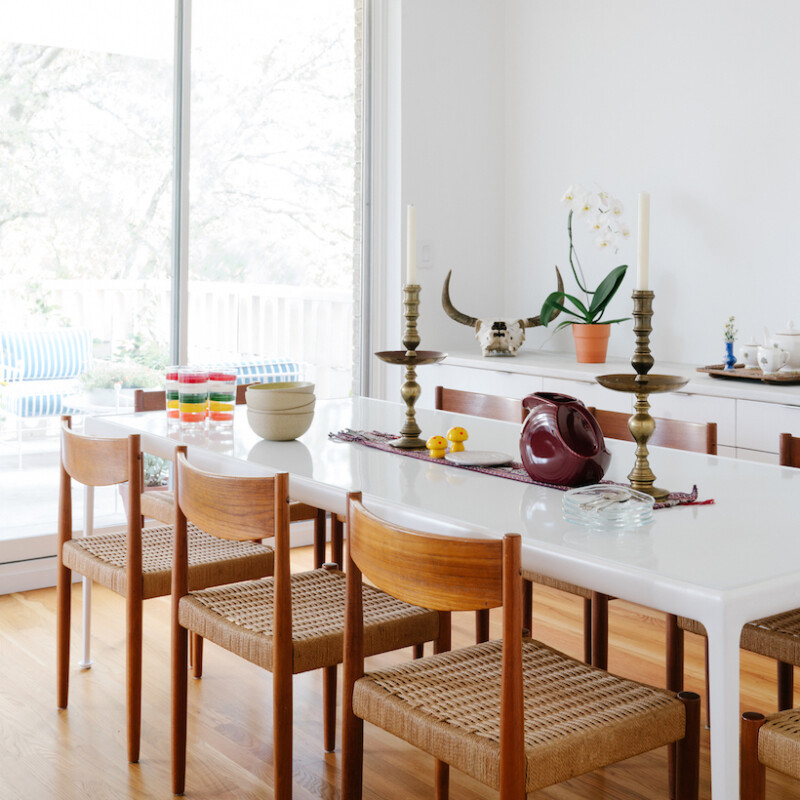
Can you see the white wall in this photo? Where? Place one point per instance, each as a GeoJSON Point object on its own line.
{"type": "Point", "coordinates": [507, 102]}
{"type": "Point", "coordinates": [452, 155]}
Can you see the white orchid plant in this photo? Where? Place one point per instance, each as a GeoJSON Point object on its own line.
{"type": "Point", "coordinates": [603, 216]}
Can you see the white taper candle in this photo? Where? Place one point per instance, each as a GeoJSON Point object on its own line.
{"type": "Point", "coordinates": [643, 264]}
{"type": "Point", "coordinates": [411, 245]}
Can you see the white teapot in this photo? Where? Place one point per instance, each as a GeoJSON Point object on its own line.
{"type": "Point", "coordinates": [771, 359]}
{"type": "Point", "coordinates": [789, 340]}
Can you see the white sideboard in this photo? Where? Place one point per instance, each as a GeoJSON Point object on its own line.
{"type": "Point", "coordinates": [750, 415]}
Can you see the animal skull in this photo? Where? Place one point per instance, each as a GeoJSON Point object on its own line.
{"type": "Point", "coordinates": [500, 337]}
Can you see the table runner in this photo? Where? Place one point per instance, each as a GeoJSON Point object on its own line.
{"type": "Point", "coordinates": [514, 470]}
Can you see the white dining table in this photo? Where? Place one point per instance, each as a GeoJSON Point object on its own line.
{"type": "Point", "coordinates": [722, 564]}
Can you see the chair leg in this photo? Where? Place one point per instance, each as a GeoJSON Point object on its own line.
{"type": "Point", "coordinates": [442, 780]}
{"type": "Point", "coordinates": [527, 607]}
{"type": "Point", "coordinates": [282, 731]}
{"type": "Point", "coordinates": [329, 707]}
{"type": "Point", "coordinates": [197, 655]}
{"type": "Point", "coordinates": [419, 650]}
{"type": "Point", "coordinates": [180, 680]}
{"type": "Point", "coordinates": [785, 686]}
{"type": "Point", "coordinates": [337, 540]}
{"type": "Point", "coordinates": [674, 654]}
{"type": "Point", "coordinates": [319, 538]}
{"type": "Point", "coordinates": [482, 625]}
{"type": "Point", "coordinates": [134, 676]}
{"type": "Point", "coordinates": [599, 632]}
{"type": "Point", "coordinates": [63, 615]}
{"type": "Point", "coordinates": [687, 760]}
{"type": "Point", "coordinates": [587, 630]}
{"type": "Point", "coordinates": [752, 779]}
{"type": "Point", "coordinates": [352, 750]}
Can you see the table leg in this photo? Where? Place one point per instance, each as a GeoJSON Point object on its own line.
{"type": "Point", "coordinates": [723, 656]}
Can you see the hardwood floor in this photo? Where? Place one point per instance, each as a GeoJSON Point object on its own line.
{"type": "Point", "coordinates": [80, 753]}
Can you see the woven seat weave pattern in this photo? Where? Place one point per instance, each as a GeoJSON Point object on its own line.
{"type": "Point", "coordinates": [159, 505]}
{"type": "Point", "coordinates": [776, 637]}
{"type": "Point", "coordinates": [212, 561]}
{"type": "Point", "coordinates": [562, 586]}
{"type": "Point", "coordinates": [779, 742]}
{"type": "Point", "coordinates": [577, 718]}
{"type": "Point", "coordinates": [240, 619]}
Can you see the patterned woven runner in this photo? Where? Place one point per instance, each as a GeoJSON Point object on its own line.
{"type": "Point", "coordinates": [513, 470]}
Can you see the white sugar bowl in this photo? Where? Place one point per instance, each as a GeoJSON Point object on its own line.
{"type": "Point", "coordinates": [789, 340]}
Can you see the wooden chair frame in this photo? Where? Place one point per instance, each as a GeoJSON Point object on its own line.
{"type": "Point", "coordinates": [453, 574]}
{"type": "Point", "coordinates": [103, 462]}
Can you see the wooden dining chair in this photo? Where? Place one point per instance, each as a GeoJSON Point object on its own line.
{"type": "Point", "coordinates": [135, 563]}
{"type": "Point", "coordinates": [696, 437]}
{"type": "Point", "coordinates": [513, 714]}
{"type": "Point", "coordinates": [777, 636]}
{"type": "Point", "coordinates": [767, 742]}
{"type": "Point", "coordinates": [160, 505]}
{"type": "Point", "coordinates": [288, 624]}
{"type": "Point", "coordinates": [509, 409]}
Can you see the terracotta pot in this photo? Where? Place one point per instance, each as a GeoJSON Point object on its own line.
{"type": "Point", "coordinates": [591, 342]}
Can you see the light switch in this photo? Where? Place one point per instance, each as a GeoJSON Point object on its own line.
{"type": "Point", "coordinates": [426, 254]}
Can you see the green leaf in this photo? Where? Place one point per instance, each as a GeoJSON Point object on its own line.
{"type": "Point", "coordinates": [607, 289]}
{"type": "Point", "coordinates": [555, 301]}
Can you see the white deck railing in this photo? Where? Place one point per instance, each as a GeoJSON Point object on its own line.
{"type": "Point", "coordinates": [307, 324]}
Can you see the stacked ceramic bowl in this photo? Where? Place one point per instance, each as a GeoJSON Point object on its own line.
{"type": "Point", "coordinates": [280, 411]}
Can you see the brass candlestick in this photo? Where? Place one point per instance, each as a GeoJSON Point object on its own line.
{"type": "Point", "coordinates": [411, 359]}
{"type": "Point", "coordinates": [641, 424]}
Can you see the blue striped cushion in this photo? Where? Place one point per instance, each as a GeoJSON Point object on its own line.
{"type": "Point", "coordinates": [47, 354]}
{"type": "Point", "coordinates": [264, 370]}
{"type": "Point", "coordinates": [34, 405]}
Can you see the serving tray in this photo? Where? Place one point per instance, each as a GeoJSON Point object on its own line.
{"type": "Point", "coordinates": [740, 372]}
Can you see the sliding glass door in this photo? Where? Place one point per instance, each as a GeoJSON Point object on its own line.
{"type": "Point", "coordinates": [88, 259]}
{"type": "Point", "coordinates": [272, 184]}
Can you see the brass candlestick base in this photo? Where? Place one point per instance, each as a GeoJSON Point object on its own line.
{"type": "Point", "coordinates": [411, 359]}
{"type": "Point", "coordinates": [641, 424]}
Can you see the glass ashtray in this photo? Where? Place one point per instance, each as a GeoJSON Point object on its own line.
{"type": "Point", "coordinates": [607, 506]}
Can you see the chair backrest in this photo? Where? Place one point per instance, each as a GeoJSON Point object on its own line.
{"type": "Point", "coordinates": [506, 409]}
{"type": "Point", "coordinates": [789, 450]}
{"type": "Point", "coordinates": [235, 508]}
{"type": "Point", "coordinates": [93, 461]}
{"type": "Point", "coordinates": [156, 399]}
{"type": "Point", "coordinates": [696, 437]}
{"type": "Point", "coordinates": [438, 572]}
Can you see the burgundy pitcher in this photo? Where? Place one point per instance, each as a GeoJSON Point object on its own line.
{"type": "Point", "coordinates": [561, 442]}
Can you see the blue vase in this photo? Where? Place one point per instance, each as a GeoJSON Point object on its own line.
{"type": "Point", "coordinates": [730, 358]}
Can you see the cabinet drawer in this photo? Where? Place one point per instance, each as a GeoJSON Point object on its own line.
{"type": "Point", "coordinates": [590, 393]}
{"type": "Point", "coordinates": [699, 408]}
{"type": "Point", "coordinates": [759, 425]}
{"type": "Point", "coordinates": [506, 384]}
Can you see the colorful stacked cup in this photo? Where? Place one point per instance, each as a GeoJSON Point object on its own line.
{"type": "Point", "coordinates": [173, 412]}
{"type": "Point", "coordinates": [221, 396]}
{"type": "Point", "coordinates": [192, 396]}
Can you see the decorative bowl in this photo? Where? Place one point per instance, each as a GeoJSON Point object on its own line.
{"type": "Point", "coordinates": [279, 401]}
{"type": "Point", "coordinates": [279, 427]}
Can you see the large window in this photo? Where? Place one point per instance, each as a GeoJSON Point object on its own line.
{"type": "Point", "coordinates": [87, 162]}
{"type": "Point", "coordinates": [271, 183]}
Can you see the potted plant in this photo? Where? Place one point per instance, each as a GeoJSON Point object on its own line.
{"type": "Point", "coordinates": [107, 379]}
{"type": "Point", "coordinates": [590, 332]}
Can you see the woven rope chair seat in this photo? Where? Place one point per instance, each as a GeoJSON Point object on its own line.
{"type": "Point", "coordinates": [212, 561]}
{"type": "Point", "coordinates": [779, 742]}
{"type": "Point", "coordinates": [158, 505]}
{"type": "Point", "coordinates": [577, 718]}
{"type": "Point", "coordinates": [777, 636]}
{"type": "Point", "coordinates": [239, 618]}
{"type": "Point", "coordinates": [553, 583]}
